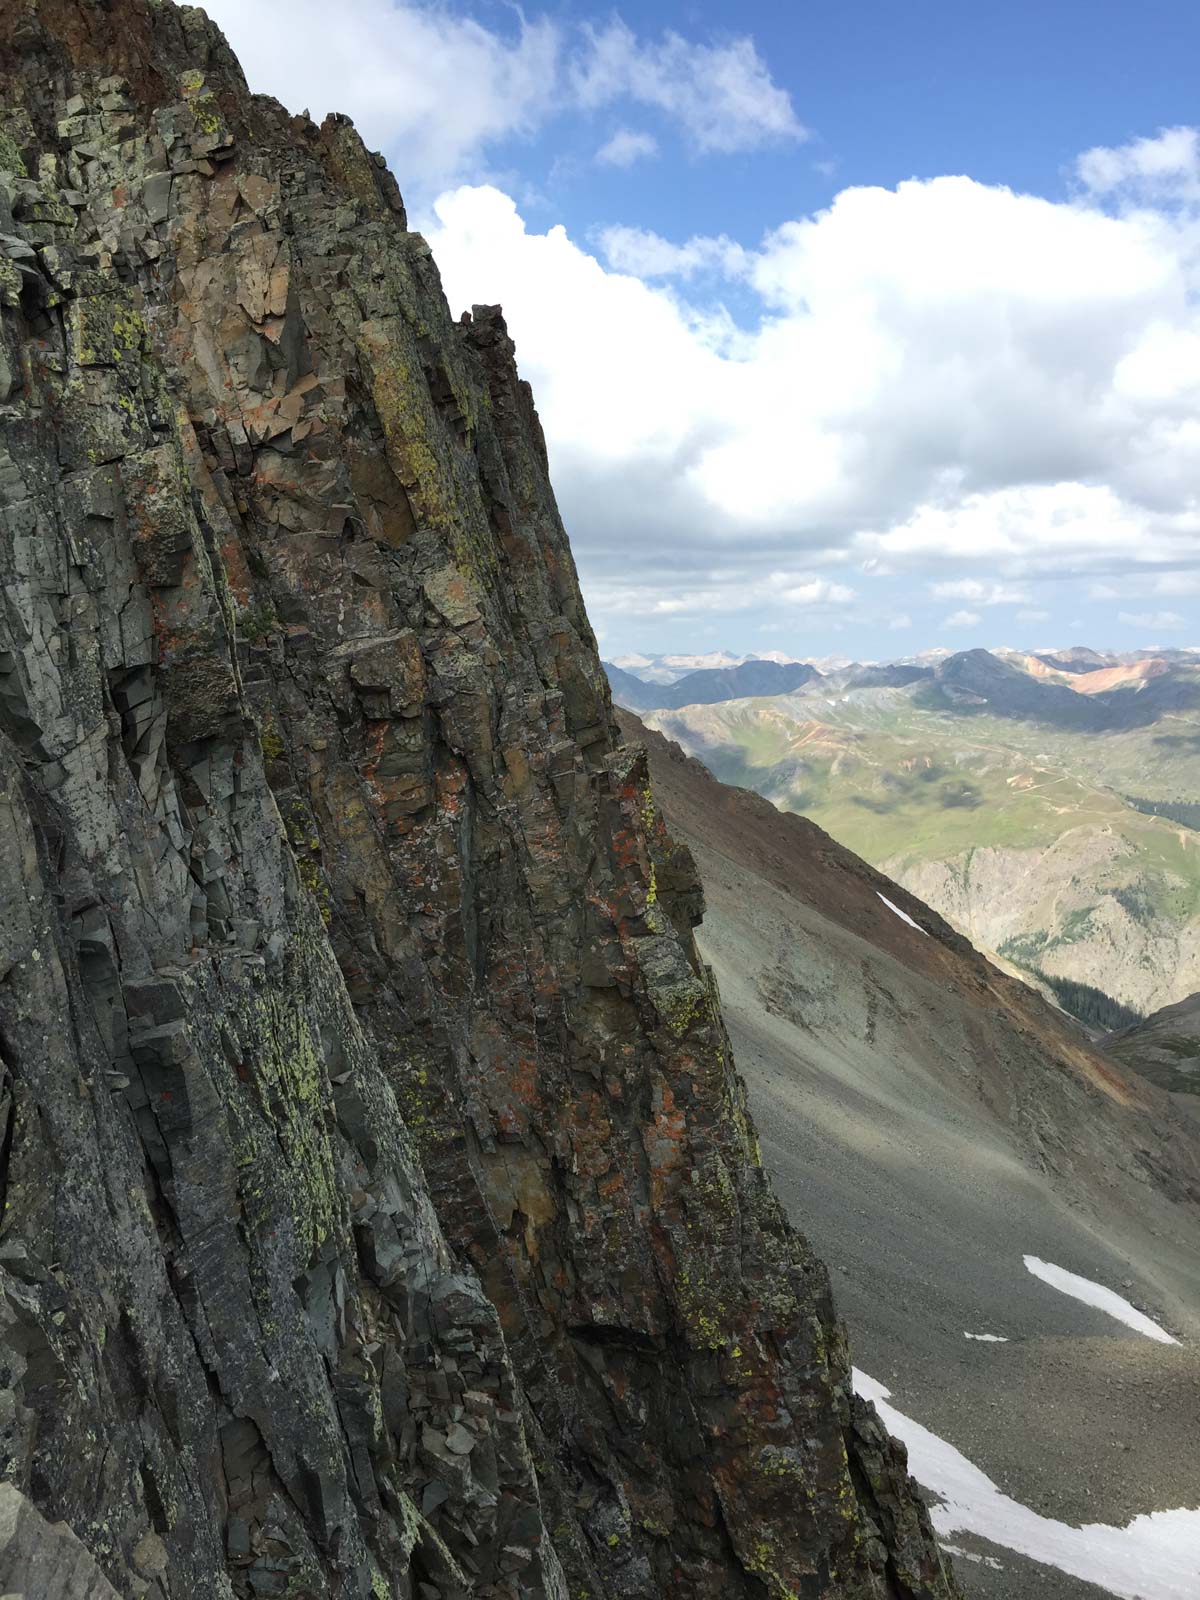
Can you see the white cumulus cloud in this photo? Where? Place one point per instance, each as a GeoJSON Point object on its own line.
{"type": "Point", "coordinates": [1166, 166]}
{"type": "Point", "coordinates": [436, 89]}
{"type": "Point", "coordinates": [946, 380]}
{"type": "Point", "coordinates": [646, 254]}
{"type": "Point", "coordinates": [428, 84]}
{"type": "Point", "coordinates": [722, 94]}
{"type": "Point", "coordinates": [626, 147]}
{"type": "Point", "coordinates": [1176, 583]}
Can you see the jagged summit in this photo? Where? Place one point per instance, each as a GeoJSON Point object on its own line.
{"type": "Point", "coordinates": [381, 1212]}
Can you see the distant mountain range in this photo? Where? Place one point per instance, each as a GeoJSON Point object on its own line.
{"type": "Point", "coordinates": [670, 668]}
{"type": "Point", "coordinates": [1069, 693]}
{"type": "Point", "coordinates": [1046, 803]}
{"type": "Point", "coordinates": [709, 685]}
{"type": "Point", "coordinates": [1011, 682]}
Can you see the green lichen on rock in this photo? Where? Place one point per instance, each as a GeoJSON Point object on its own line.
{"type": "Point", "coordinates": [406, 416]}
{"type": "Point", "coordinates": [10, 284]}
{"type": "Point", "coordinates": [11, 159]}
{"type": "Point", "coordinates": [201, 101]}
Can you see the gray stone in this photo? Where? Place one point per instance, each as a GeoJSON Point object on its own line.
{"type": "Point", "coordinates": [44, 1560]}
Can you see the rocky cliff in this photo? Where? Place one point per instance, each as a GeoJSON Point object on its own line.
{"type": "Point", "coordinates": [381, 1213]}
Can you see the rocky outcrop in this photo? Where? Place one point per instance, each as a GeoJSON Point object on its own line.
{"type": "Point", "coordinates": [381, 1213]}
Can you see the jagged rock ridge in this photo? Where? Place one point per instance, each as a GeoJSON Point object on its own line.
{"type": "Point", "coordinates": [381, 1214]}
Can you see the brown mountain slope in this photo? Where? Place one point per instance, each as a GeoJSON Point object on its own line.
{"type": "Point", "coordinates": [931, 1121]}
{"type": "Point", "coordinates": [1097, 681]}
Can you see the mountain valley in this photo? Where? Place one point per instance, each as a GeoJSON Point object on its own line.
{"type": "Point", "coordinates": [1050, 814]}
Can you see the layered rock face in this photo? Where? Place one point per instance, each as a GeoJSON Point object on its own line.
{"type": "Point", "coordinates": [381, 1213]}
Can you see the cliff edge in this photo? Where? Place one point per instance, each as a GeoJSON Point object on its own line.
{"type": "Point", "coordinates": [381, 1214]}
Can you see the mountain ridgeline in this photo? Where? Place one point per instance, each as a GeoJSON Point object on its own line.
{"type": "Point", "coordinates": [709, 685]}
{"type": "Point", "coordinates": [1078, 689]}
{"type": "Point", "coordinates": [1037, 688]}
{"type": "Point", "coordinates": [382, 1215]}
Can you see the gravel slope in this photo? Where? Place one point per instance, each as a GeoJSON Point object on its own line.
{"type": "Point", "coordinates": [929, 1121]}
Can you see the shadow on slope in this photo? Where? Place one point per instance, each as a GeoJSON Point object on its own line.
{"type": "Point", "coordinates": [931, 1121]}
{"type": "Point", "coordinates": [1165, 1048]}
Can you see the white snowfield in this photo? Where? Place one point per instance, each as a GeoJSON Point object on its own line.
{"type": "Point", "coordinates": [988, 1338]}
{"type": "Point", "coordinates": [903, 915]}
{"type": "Point", "coordinates": [1157, 1557]}
{"type": "Point", "coordinates": [1095, 1294]}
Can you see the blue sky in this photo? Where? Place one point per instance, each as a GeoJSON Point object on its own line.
{"type": "Point", "coordinates": [855, 329]}
{"type": "Point", "coordinates": [1009, 93]}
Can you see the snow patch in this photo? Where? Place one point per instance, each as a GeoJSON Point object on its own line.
{"type": "Point", "coordinates": [959, 1554]}
{"type": "Point", "coordinates": [903, 915]}
{"type": "Point", "coordinates": [988, 1338]}
{"type": "Point", "coordinates": [1095, 1294]}
{"type": "Point", "coordinates": [1157, 1557]}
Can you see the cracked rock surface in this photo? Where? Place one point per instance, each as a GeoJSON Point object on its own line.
{"type": "Point", "coordinates": [381, 1214]}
